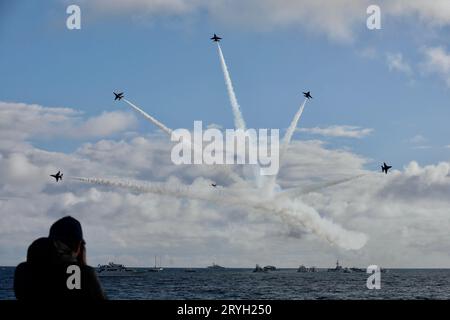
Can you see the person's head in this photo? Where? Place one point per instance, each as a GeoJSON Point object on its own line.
{"type": "Point", "coordinates": [41, 251]}
{"type": "Point", "coordinates": [68, 230]}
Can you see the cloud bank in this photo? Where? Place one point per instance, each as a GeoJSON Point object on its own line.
{"type": "Point", "coordinates": [404, 214]}
{"type": "Point", "coordinates": [338, 20]}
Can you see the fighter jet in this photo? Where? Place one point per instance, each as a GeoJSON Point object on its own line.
{"type": "Point", "coordinates": [215, 38]}
{"type": "Point", "coordinates": [118, 96]}
{"type": "Point", "coordinates": [58, 176]}
{"type": "Point", "coordinates": [307, 95]}
{"type": "Point", "coordinates": [385, 168]}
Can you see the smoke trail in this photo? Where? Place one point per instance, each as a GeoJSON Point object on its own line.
{"type": "Point", "coordinates": [239, 122]}
{"type": "Point", "coordinates": [220, 196]}
{"type": "Point", "coordinates": [294, 213]}
{"type": "Point", "coordinates": [290, 131]}
{"type": "Point", "coordinates": [271, 181]}
{"type": "Point", "coordinates": [150, 118]}
{"type": "Point", "coordinates": [299, 213]}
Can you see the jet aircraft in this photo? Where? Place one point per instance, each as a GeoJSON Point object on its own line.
{"type": "Point", "coordinates": [58, 176]}
{"type": "Point", "coordinates": [118, 96]}
{"type": "Point", "coordinates": [385, 168]}
{"type": "Point", "coordinates": [215, 38]}
{"type": "Point", "coordinates": [307, 95]}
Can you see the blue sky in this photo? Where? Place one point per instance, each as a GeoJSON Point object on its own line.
{"type": "Point", "coordinates": [168, 66]}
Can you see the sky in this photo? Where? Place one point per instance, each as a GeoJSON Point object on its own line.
{"type": "Point", "coordinates": [379, 95]}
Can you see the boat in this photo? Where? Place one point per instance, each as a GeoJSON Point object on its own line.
{"type": "Point", "coordinates": [313, 269]}
{"type": "Point", "coordinates": [190, 270]}
{"type": "Point", "coordinates": [354, 269]}
{"type": "Point", "coordinates": [156, 268]}
{"type": "Point", "coordinates": [302, 268]}
{"type": "Point", "coordinates": [270, 268]}
{"type": "Point", "coordinates": [215, 266]}
{"type": "Point", "coordinates": [338, 268]}
{"type": "Point", "coordinates": [259, 269]}
{"type": "Point", "coordinates": [115, 270]}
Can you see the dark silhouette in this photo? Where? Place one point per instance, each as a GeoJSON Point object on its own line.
{"type": "Point", "coordinates": [44, 275]}
{"type": "Point", "coordinates": [385, 168]}
{"type": "Point", "coordinates": [214, 185]}
{"type": "Point", "coordinates": [215, 38]}
{"type": "Point", "coordinates": [307, 95]}
{"type": "Point", "coordinates": [118, 96]}
{"type": "Point", "coordinates": [57, 176]}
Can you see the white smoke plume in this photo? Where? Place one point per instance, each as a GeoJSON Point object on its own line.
{"type": "Point", "coordinates": [294, 213]}
{"type": "Point", "coordinates": [290, 210]}
{"type": "Point", "coordinates": [150, 118]}
{"type": "Point", "coordinates": [239, 122]}
{"type": "Point", "coordinates": [270, 182]}
{"type": "Point", "coordinates": [291, 129]}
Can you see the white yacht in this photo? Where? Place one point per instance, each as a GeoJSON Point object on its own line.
{"type": "Point", "coordinates": [115, 270]}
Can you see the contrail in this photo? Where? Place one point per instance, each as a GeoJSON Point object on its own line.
{"type": "Point", "coordinates": [296, 192]}
{"type": "Point", "coordinates": [309, 218]}
{"type": "Point", "coordinates": [239, 122]}
{"type": "Point", "coordinates": [294, 213]}
{"type": "Point", "coordinates": [290, 131]}
{"type": "Point", "coordinates": [270, 182]}
{"type": "Point", "coordinates": [150, 118]}
{"type": "Point", "coordinates": [221, 196]}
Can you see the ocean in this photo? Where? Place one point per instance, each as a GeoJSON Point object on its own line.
{"type": "Point", "coordinates": [284, 284]}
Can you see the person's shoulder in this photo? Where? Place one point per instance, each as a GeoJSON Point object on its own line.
{"type": "Point", "coordinates": [22, 265]}
{"type": "Point", "coordinates": [89, 269]}
{"type": "Point", "coordinates": [21, 269]}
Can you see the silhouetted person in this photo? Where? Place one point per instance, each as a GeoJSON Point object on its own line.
{"type": "Point", "coordinates": [44, 275]}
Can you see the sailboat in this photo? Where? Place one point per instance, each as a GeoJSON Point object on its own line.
{"type": "Point", "coordinates": [156, 268]}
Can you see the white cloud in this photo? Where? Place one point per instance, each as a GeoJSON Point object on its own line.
{"type": "Point", "coordinates": [396, 62]}
{"type": "Point", "coordinates": [437, 61]}
{"type": "Point", "coordinates": [339, 131]}
{"type": "Point", "coordinates": [405, 214]}
{"type": "Point", "coordinates": [19, 121]}
{"type": "Point", "coordinates": [106, 124]}
{"type": "Point", "coordinates": [337, 19]}
{"type": "Point", "coordinates": [434, 13]}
